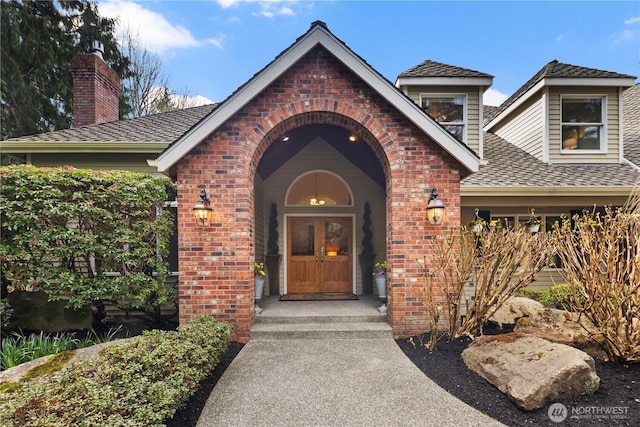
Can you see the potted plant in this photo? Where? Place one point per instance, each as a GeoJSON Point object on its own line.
{"type": "Point", "coordinates": [533, 224]}
{"type": "Point", "coordinates": [258, 279]}
{"type": "Point", "coordinates": [273, 252]}
{"type": "Point", "coordinates": [367, 257]}
{"type": "Point", "coordinates": [478, 224]}
{"type": "Point", "coordinates": [380, 277]}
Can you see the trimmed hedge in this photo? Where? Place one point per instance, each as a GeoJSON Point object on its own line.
{"type": "Point", "coordinates": [93, 236]}
{"type": "Point", "coordinates": [139, 383]}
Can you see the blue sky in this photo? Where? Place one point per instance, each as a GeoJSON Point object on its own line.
{"type": "Point", "coordinates": [211, 47]}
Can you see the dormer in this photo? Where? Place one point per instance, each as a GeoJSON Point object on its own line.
{"type": "Point", "coordinates": [566, 114]}
{"type": "Point", "coordinates": [450, 95]}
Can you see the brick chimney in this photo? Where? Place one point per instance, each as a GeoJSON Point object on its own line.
{"type": "Point", "coordinates": [96, 88]}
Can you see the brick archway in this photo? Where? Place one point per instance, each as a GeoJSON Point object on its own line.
{"type": "Point", "coordinates": [216, 262]}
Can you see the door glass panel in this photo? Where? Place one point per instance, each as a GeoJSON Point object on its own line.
{"type": "Point", "coordinates": [336, 239]}
{"type": "Point", "coordinates": [303, 239]}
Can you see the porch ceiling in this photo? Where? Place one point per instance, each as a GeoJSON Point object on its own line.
{"type": "Point", "coordinates": [357, 152]}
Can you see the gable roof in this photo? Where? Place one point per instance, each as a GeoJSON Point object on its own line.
{"type": "Point", "coordinates": [631, 123]}
{"type": "Point", "coordinates": [436, 73]}
{"type": "Point", "coordinates": [150, 133]}
{"type": "Point", "coordinates": [512, 171]}
{"type": "Point", "coordinates": [318, 34]}
{"type": "Point", "coordinates": [559, 74]}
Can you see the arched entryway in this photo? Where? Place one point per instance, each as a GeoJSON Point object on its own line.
{"type": "Point", "coordinates": [319, 176]}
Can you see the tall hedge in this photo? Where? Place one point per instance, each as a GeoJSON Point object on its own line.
{"type": "Point", "coordinates": [92, 236]}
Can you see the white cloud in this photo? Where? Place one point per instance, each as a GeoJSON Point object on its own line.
{"type": "Point", "coordinates": [623, 37]}
{"type": "Point", "coordinates": [561, 37]}
{"type": "Point", "coordinates": [153, 30]}
{"type": "Point", "coordinates": [493, 97]}
{"type": "Point", "coordinates": [632, 20]}
{"type": "Point", "coordinates": [268, 8]}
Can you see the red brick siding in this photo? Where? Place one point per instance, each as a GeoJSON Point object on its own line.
{"type": "Point", "coordinates": [96, 88]}
{"type": "Point", "coordinates": [216, 262]}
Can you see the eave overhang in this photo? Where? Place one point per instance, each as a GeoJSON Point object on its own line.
{"type": "Point", "coordinates": [317, 35]}
{"type": "Point", "coordinates": [83, 147]}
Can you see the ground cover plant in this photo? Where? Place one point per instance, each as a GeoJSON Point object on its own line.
{"type": "Point", "coordinates": [139, 383]}
{"type": "Point", "coordinates": [18, 348]}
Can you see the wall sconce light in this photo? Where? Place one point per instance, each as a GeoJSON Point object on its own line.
{"type": "Point", "coordinates": [435, 208]}
{"type": "Point", "coordinates": [202, 210]}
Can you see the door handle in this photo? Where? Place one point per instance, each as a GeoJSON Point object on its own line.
{"type": "Point", "coordinates": [317, 260]}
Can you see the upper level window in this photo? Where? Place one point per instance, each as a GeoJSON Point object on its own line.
{"type": "Point", "coordinates": [448, 110]}
{"type": "Point", "coordinates": [583, 123]}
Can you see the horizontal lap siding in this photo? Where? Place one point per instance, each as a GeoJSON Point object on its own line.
{"type": "Point", "coordinates": [524, 128]}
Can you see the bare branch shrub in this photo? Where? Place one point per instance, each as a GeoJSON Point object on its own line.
{"type": "Point", "coordinates": [497, 261]}
{"type": "Point", "coordinates": [600, 253]}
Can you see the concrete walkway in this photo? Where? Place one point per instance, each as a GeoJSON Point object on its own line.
{"type": "Point", "coordinates": [331, 382]}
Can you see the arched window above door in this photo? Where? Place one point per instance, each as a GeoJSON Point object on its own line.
{"type": "Point", "coordinates": [319, 188]}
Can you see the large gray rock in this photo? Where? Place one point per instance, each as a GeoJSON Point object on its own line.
{"type": "Point", "coordinates": [531, 371]}
{"type": "Point", "coordinates": [515, 308]}
{"type": "Point", "coordinates": [32, 311]}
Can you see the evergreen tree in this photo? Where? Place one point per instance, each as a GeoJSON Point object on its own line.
{"type": "Point", "coordinates": [39, 38]}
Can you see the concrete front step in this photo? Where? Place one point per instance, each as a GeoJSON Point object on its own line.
{"type": "Point", "coordinates": [366, 318]}
{"type": "Point", "coordinates": [321, 330]}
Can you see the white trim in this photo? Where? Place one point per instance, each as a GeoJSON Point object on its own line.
{"type": "Point", "coordinates": [318, 35]}
{"type": "Point", "coordinates": [465, 112]}
{"type": "Point", "coordinates": [321, 215]}
{"type": "Point", "coordinates": [480, 121]}
{"type": "Point", "coordinates": [296, 179]}
{"type": "Point", "coordinates": [620, 126]}
{"type": "Point", "coordinates": [443, 81]}
{"type": "Point", "coordinates": [604, 145]}
{"type": "Point", "coordinates": [545, 125]}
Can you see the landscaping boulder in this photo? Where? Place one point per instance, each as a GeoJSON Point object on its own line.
{"type": "Point", "coordinates": [532, 371]}
{"type": "Point", "coordinates": [562, 327]}
{"type": "Point", "coordinates": [515, 308]}
{"type": "Point", "coordinates": [32, 311]}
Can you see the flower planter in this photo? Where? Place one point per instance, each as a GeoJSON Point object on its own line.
{"type": "Point", "coordinates": [381, 284]}
{"type": "Point", "coordinates": [258, 283]}
{"type": "Point", "coordinates": [533, 228]}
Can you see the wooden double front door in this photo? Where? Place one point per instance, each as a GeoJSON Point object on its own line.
{"type": "Point", "coordinates": [319, 254]}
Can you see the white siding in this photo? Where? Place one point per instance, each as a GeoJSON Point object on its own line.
{"type": "Point", "coordinates": [612, 126]}
{"type": "Point", "coordinates": [524, 128]}
{"type": "Point", "coordinates": [320, 155]}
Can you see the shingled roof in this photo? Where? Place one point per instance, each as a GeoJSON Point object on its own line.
{"type": "Point", "coordinates": [430, 68]}
{"type": "Point", "coordinates": [509, 167]}
{"type": "Point", "coordinates": [555, 69]}
{"type": "Point", "coordinates": [631, 102]}
{"type": "Point", "coordinates": [163, 127]}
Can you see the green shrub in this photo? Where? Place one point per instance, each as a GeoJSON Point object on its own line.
{"type": "Point", "coordinates": [558, 296]}
{"type": "Point", "coordinates": [139, 383]}
{"type": "Point", "coordinates": [64, 229]}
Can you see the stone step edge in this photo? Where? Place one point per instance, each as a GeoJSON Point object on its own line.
{"type": "Point", "coordinates": [293, 320]}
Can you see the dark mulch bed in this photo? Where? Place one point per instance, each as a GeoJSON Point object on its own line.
{"type": "Point", "coordinates": [619, 387]}
{"type": "Point", "coordinates": [189, 414]}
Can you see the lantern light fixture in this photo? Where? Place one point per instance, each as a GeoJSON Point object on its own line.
{"type": "Point", "coordinates": [202, 210]}
{"type": "Point", "coordinates": [435, 208]}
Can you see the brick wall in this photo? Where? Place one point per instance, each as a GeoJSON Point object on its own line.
{"type": "Point", "coordinates": [216, 262]}
{"type": "Point", "coordinates": [96, 88]}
